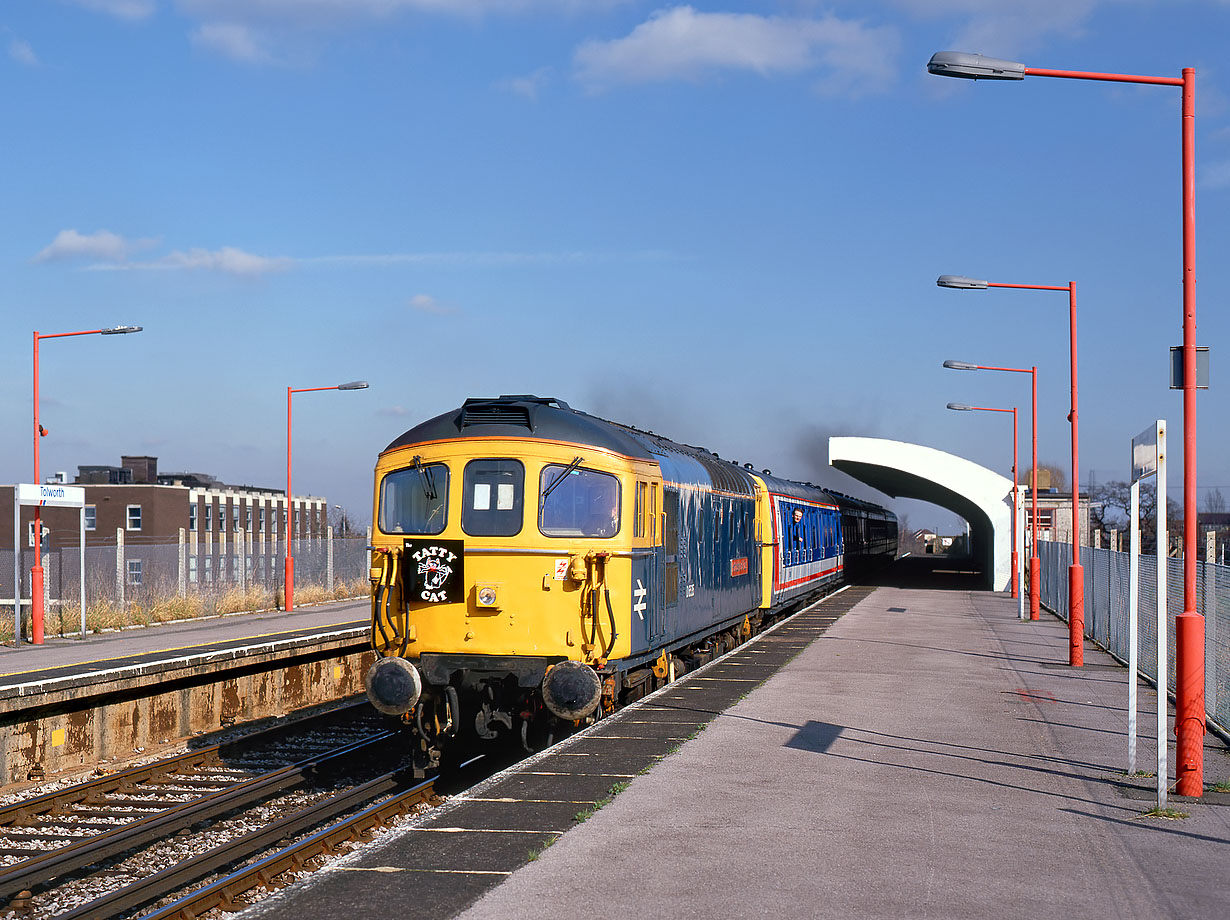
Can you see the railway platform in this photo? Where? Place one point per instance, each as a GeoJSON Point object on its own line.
{"type": "Point", "coordinates": [924, 754]}
{"type": "Point", "coordinates": [72, 703]}
{"type": "Point", "coordinates": [107, 651]}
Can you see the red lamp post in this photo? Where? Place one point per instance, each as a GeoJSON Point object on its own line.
{"type": "Point", "coordinates": [959, 407]}
{"type": "Point", "coordinates": [1189, 625]}
{"type": "Point", "coordinates": [289, 570]}
{"type": "Point", "coordinates": [36, 572]}
{"type": "Point", "coordinates": [1035, 564]}
{"type": "Point", "coordinates": [1076, 573]}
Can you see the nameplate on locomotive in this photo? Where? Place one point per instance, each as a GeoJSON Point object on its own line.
{"type": "Point", "coordinates": [435, 570]}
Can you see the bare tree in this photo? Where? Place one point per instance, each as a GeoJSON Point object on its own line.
{"type": "Point", "coordinates": [1214, 503]}
{"type": "Point", "coordinates": [1110, 508]}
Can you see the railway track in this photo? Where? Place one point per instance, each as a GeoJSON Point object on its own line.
{"type": "Point", "coordinates": [115, 844]}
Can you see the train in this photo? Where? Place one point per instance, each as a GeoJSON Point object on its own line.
{"type": "Point", "coordinates": [535, 567]}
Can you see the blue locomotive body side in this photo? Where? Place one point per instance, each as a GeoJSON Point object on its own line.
{"type": "Point", "coordinates": [705, 571]}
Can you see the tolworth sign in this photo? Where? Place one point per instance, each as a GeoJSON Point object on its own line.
{"type": "Point", "coordinates": [50, 496]}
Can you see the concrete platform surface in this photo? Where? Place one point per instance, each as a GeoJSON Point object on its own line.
{"type": "Point", "coordinates": [930, 755]}
{"type": "Point", "coordinates": [102, 651]}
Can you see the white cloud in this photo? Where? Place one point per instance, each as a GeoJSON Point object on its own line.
{"type": "Point", "coordinates": [425, 303]}
{"type": "Point", "coordinates": [132, 10]}
{"type": "Point", "coordinates": [314, 12]}
{"type": "Point", "coordinates": [114, 251]}
{"type": "Point", "coordinates": [472, 258]}
{"type": "Point", "coordinates": [394, 411]}
{"type": "Point", "coordinates": [103, 244]}
{"type": "Point", "coordinates": [233, 40]}
{"type": "Point", "coordinates": [22, 53]}
{"type": "Point", "coordinates": [1003, 28]}
{"type": "Point", "coordinates": [529, 85]}
{"type": "Point", "coordinates": [227, 260]}
{"type": "Point", "coordinates": [683, 44]}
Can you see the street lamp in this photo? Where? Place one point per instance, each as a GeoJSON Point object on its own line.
{"type": "Point", "coordinates": [961, 407]}
{"type": "Point", "coordinates": [290, 560]}
{"type": "Point", "coordinates": [1076, 574]}
{"type": "Point", "coordinates": [1189, 625]}
{"type": "Point", "coordinates": [36, 572]}
{"type": "Point", "coordinates": [1035, 564]}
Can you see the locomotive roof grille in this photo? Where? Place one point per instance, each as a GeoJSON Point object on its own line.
{"type": "Point", "coordinates": [506, 410]}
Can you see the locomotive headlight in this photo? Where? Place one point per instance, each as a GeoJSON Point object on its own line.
{"type": "Point", "coordinates": [488, 596]}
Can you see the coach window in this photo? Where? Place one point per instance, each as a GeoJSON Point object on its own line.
{"type": "Point", "coordinates": [414, 500]}
{"type": "Point", "coordinates": [494, 498]}
{"type": "Point", "coordinates": [640, 511]}
{"type": "Point", "coordinates": [576, 502]}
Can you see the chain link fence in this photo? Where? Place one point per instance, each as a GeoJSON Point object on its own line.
{"type": "Point", "coordinates": [1106, 611]}
{"type": "Point", "coordinates": [137, 584]}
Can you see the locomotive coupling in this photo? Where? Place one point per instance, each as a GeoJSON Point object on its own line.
{"type": "Point", "coordinates": [571, 690]}
{"type": "Point", "coordinates": [393, 685]}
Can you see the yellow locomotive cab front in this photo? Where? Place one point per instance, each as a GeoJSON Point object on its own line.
{"type": "Point", "coordinates": [495, 561]}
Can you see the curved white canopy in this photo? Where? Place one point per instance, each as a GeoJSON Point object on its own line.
{"type": "Point", "coordinates": [982, 497]}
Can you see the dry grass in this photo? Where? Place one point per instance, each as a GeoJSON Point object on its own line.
{"type": "Point", "coordinates": [149, 610]}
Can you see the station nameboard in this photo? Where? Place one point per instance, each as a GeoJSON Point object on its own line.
{"type": "Point", "coordinates": [1144, 450]}
{"type": "Point", "coordinates": [50, 496]}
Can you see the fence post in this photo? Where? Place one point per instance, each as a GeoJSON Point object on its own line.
{"type": "Point", "coordinates": [1210, 620]}
{"type": "Point", "coordinates": [183, 563]}
{"type": "Point", "coordinates": [222, 560]}
{"type": "Point", "coordinates": [46, 564]}
{"type": "Point", "coordinates": [329, 561]}
{"type": "Point", "coordinates": [241, 560]}
{"type": "Point", "coordinates": [120, 568]}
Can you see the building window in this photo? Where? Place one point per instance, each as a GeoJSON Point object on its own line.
{"type": "Point", "coordinates": [192, 569]}
{"type": "Point", "coordinates": [134, 518]}
{"type": "Point", "coordinates": [222, 515]}
{"type": "Point", "coordinates": [192, 517]}
{"type": "Point", "coordinates": [297, 530]}
{"type": "Point", "coordinates": [209, 514]}
{"type": "Point", "coordinates": [134, 572]}
{"type": "Point", "coordinates": [262, 518]}
{"type": "Point", "coordinates": [248, 518]}
{"type": "Point", "coordinates": [209, 570]}
{"type": "Point", "coordinates": [91, 517]}
{"type": "Point", "coordinates": [235, 516]}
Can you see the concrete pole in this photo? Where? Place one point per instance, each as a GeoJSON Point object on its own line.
{"type": "Point", "coordinates": [120, 569]}
{"type": "Point", "coordinates": [183, 563]}
{"type": "Point", "coordinates": [329, 561]}
{"type": "Point", "coordinates": [1210, 621]}
{"type": "Point", "coordinates": [241, 560]}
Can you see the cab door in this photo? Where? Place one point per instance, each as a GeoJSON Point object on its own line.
{"type": "Point", "coordinates": [648, 607]}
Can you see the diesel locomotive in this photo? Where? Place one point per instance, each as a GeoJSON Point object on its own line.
{"type": "Point", "coordinates": [535, 567]}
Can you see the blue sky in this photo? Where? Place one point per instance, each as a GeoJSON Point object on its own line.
{"type": "Point", "coordinates": [719, 221]}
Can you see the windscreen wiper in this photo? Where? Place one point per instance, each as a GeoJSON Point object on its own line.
{"type": "Point", "coordinates": [576, 461]}
{"type": "Point", "coordinates": [426, 477]}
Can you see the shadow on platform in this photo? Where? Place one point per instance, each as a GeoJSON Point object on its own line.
{"type": "Point", "coordinates": [946, 573]}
